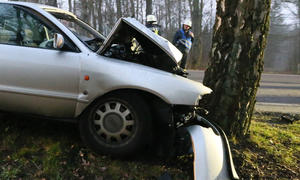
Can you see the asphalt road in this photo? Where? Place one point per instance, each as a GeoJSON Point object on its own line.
{"type": "Point", "coordinates": [277, 92]}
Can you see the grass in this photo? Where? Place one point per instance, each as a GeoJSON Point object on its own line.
{"type": "Point", "coordinates": [39, 149]}
{"type": "Point", "coordinates": [272, 150]}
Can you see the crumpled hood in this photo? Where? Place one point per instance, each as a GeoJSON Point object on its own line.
{"type": "Point", "coordinates": [129, 27]}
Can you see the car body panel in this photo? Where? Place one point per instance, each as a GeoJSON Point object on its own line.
{"type": "Point", "coordinates": [171, 88]}
{"type": "Point", "coordinates": [42, 81]}
{"type": "Point", "coordinates": [209, 154]}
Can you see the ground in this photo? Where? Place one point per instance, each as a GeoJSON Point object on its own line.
{"type": "Point", "coordinates": [272, 150]}
{"type": "Point", "coordinates": [38, 149]}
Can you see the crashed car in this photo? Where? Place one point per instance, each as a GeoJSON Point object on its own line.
{"type": "Point", "coordinates": [125, 91]}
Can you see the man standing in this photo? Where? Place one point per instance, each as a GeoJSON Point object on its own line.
{"type": "Point", "coordinates": [151, 23]}
{"type": "Point", "coordinates": [183, 40]}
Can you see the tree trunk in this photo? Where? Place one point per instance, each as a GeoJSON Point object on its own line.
{"type": "Point", "coordinates": [168, 34]}
{"type": "Point", "coordinates": [179, 13]}
{"type": "Point", "coordinates": [236, 64]}
{"type": "Point", "coordinates": [84, 10]}
{"type": "Point", "coordinates": [100, 20]}
{"type": "Point", "coordinates": [137, 9]}
{"type": "Point", "coordinates": [119, 9]}
{"type": "Point", "coordinates": [74, 7]}
{"type": "Point", "coordinates": [70, 5]}
{"type": "Point", "coordinates": [132, 8]}
{"type": "Point", "coordinates": [196, 51]}
{"type": "Point", "coordinates": [148, 7]}
{"type": "Point", "coordinates": [52, 3]}
{"type": "Point", "coordinates": [94, 16]}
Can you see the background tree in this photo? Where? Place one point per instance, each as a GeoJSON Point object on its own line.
{"type": "Point", "coordinates": [52, 3]}
{"type": "Point", "coordinates": [239, 40]}
{"type": "Point", "coordinates": [196, 51]}
{"type": "Point", "coordinates": [148, 7]}
{"type": "Point", "coordinates": [119, 9]}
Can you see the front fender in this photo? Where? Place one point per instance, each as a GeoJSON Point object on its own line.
{"type": "Point", "coordinates": [212, 155]}
{"type": "Point", "coordinates": [107, 75]}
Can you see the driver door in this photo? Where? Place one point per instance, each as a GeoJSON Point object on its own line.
{"type": "Point", "coordinates": [35, 77]}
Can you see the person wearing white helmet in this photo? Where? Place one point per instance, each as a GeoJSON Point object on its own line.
{"type": "Point", "coordinates": [151, 23]}
{"type": "Point", "coordinates": [183, 40]}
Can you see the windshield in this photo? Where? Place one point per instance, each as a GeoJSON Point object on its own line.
{"type": "Point", "coordinates": [90, 37]}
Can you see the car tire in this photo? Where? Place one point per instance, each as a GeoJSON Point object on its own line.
{"type": "Point", "coordinates": [118, 125]}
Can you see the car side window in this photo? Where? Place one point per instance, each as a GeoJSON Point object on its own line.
{"type": "Point", "coordinates": [18, 27]}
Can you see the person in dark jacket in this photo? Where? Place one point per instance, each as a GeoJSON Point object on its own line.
{"type": "Point", "coordinates": [183, 40]}
{"type": "Point", "coordinates": [151, 23]}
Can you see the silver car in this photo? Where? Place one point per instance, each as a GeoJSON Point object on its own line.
{"type": "Point", "coordinates": [125, 90]}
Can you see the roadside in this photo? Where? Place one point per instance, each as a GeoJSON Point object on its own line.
{"type": "Point", "coordinates": [277, 107]}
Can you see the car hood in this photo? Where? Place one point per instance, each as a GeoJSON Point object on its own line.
{"type": "Point", "coordinates": [127, 29]}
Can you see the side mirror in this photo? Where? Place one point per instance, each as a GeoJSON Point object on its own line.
{"type": "Point", "coordinates": [59, 41]}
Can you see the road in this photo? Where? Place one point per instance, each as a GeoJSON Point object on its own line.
{"type": "Point", "coordinates": [277, 92]}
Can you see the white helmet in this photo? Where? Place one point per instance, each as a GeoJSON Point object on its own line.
{"type": "Point", "coordinates": [187, 22]}
{"type": "Point", "coordinates": [151, 18]}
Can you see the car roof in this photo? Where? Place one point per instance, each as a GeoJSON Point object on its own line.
{"type": "Point", "coordinates": [41, 6]}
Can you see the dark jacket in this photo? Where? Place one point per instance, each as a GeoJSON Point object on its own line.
{"type": "Point", "coordinates": [183, 40]}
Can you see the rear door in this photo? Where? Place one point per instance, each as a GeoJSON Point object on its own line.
{"type": "Point", "coordinates": [34, 77]}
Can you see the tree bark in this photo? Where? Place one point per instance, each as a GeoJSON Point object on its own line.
{"type": "Point", "coordinates": [84, 10]}
{"type": "Point", "coordinates": [94, 16]}
{"type": "Point", "coordinates": [179, 13]}
{"type": "Point", "coordinates": [70, 5]}
{"type": "Point", "coordinates": [132, 8]}
{"type": "Point", "coordinates": [196, 51]}
{"type": "Point", "coordinates": [119, 9]}
{"type": "Point", "coordinates": [236, 64]}
{"type": "Point", "coordinates": [52, 3]}
{"type": "Point", "coordinates": [148, 7]}
{"type": "Point", "coordinates": [100, 20]}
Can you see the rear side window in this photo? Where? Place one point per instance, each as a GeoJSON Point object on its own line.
{"type": "Point", "coordinates": [8, 24]}
{"type": "Point", "coordinates": [18, 27]}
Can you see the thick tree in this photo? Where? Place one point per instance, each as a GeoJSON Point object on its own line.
{"type": "Point", "coordinates": [236, 63]}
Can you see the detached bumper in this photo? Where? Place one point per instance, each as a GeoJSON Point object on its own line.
{"type": "Point", "coordinates": [212, 155]}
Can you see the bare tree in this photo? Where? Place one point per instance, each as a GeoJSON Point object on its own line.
{"type": "Point", "coordinates": [100, 20]}
{"type": "Point", "coordinates": [132, 8]}
{"type": "Point", "coordinates": [70, 5]}
{"type": "Point", "coordinates": [148, 7]}
{"type": "Point", "coordinates": [196, 51]}
{"type": "Point", "coordinates": [179, 14]}
{"type": "Point", "coordinates": [52, 3]}
{"type": "Point", "coordinates": [236, 64]}
{"type": "Point", "coordinates": [119, 9]}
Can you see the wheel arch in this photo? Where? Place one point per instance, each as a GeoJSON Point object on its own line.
{"type": "Point", "coordinates": [150, 98]}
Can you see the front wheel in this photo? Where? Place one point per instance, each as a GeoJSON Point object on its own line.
{"type": "Point", "coordinates": [118, 125]}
